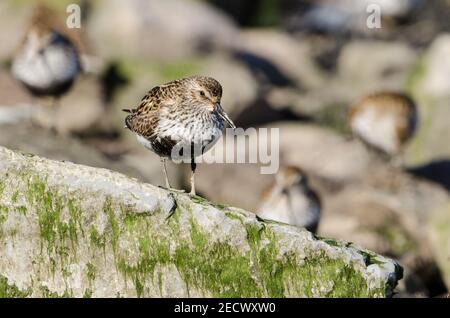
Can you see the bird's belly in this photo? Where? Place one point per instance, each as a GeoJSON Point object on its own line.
{"type": "Point", "coordinates": [378, 131]}
{"type": "Point", "coordinates": [53, 67]}
{"type": "Point", "coordinates": [201, 137]}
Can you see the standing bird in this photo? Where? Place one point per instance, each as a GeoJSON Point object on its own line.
{"type": "Point", "coordinates": [291, 200]}
{"type": "Point", "coordinates": [182, 114]}
{"type": "Point", "coordinates": [384, 121]}
{"type": "Point", "coordinates": [46, 62]}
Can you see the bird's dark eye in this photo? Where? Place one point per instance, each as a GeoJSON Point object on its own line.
{"type": "Point", "coordinates": [202, 93]}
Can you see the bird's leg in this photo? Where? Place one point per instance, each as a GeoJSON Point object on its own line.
{"type": "Point", "coordinates": [166, 177]}
{"type": "Point", "coordinates": [163, 161]}
{"type": "Point", "coordinates": [193, 167]}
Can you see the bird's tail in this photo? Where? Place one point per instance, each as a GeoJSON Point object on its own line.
{"type": "Point", "coordinates": [129, 118]}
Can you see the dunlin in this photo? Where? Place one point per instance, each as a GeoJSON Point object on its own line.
{"type": "Point", "coordinates": [385, 121]}
{"type": "Point", "coordinates": [291, 200]}
{"type": "Point", "coordinates": [46, 62]}
{"type": "Point", "coordinates": [182, 114]}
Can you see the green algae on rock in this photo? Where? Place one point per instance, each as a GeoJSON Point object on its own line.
{"type": "Point", "coordinates": [74, 231]}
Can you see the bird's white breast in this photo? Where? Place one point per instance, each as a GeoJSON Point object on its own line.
{"type": "Point", "coordinates": [377, 129]}
{"type": "Point", "coordinates": [201, 133]}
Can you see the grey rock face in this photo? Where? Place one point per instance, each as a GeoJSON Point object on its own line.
{"type": "Point", "coordinates": [71, 230]}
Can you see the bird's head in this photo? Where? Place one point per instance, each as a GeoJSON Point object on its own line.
{"type": "Point", "coordinates": [206, 92]}
{"type": "Point", "coordinates": [291, 176]}
{"type": "Point", "coordinates": [41, 29]}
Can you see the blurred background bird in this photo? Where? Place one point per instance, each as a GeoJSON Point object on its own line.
{"type": "Point", "coordinates": [385, 121]}
{"type": "Point", "coordinates": [46, 62]}
{"type": "Point", "coordinates": [291, 200]}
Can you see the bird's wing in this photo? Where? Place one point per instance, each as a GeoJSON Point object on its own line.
{"type": "Point", "coordinates": [143, 124]}
{"type": "Point", "coordinates": [144, 119]}
{"type": "Point", "coordinates": [153, 100]}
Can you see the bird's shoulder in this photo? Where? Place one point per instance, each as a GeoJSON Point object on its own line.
{"type": "Point", "coordinates": [144, 119]}
{"type": "Point", "coordinates": [155, 99]}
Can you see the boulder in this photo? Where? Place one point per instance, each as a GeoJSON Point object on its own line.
{"type": "Point", "coordinates": [436, 68]}
{"type": "Point", "coordinates": [168, 29]}
{"type": "Point", "coordinates": [71, 230]}
{"type": "Point", "coordinates": [25, 138]}
{"type": "Point", "coordinates": [12, 25]}
{"type": "Point", "coordinates": [388, 67]}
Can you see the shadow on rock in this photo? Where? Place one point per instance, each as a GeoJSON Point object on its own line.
{"type": "Point", "coordinates": [260, 113]}
{"type": "Point", "coordinates": [264, 69]}
{"type": "Point", "coordinates": [437, 171]}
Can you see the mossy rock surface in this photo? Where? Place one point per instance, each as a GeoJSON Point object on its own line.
{"type": "Point", "coordinates": [68, 230]}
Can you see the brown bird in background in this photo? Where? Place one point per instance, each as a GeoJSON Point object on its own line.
{"type": "Point", "coordinates": [291, 200]}
{"type": "Point", "coordinates": [182, 119]}
{"type": "Point", "coordinates": [385, 121]}
{"type": "Point", "coordinates": [46, 62]}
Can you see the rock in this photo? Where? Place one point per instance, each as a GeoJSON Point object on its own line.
{"type": "Point", "coordinates": [169, 29]}
{"type": "Point", "coordinates": [430, 87]}
{"type": "Point", "coordinates": [13, 22]}
{"type": "Point", "coordinates": [388, 67]}
{"type": "Point", "coordinates": [389, 220]}
{"type": "Point", "coordinates": [70, 230]}
{"type": "Point", "coordinates": [438, 230]}
{"type": "Point", "coordinates": [364, 200]}
{"type": "Point", "coordinates": [349, 16]}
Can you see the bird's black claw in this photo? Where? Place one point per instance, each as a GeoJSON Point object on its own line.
{"type": "Point", "coordinates": [174, 207]}
{"type": "Point", "coordinates": [260, 219]}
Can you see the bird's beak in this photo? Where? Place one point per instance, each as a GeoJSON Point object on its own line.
{"type": "Point", "coordinates": [224, 115]}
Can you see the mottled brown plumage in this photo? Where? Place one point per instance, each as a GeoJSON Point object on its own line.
{"type": "Point", "coordinates": [179, 115]}
{"type": "Point", "coordinates": [384, 121]}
